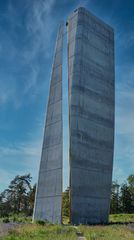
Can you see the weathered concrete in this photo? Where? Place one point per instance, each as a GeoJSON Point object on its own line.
{"type": "Point", "coordinates": [91, 116]}
{"type": "Point", "coordinates": [49, 190]}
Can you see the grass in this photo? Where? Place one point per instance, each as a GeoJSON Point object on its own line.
{"type": "Point", "coordinates": [110, 232]}
{"type": "Point", "coordinates": [113, 218]}
{"type": "Point", "coordinates": [121, 218]}
{"type": "Point", "coordinates": [37, 232]}
{"type": "Point", "coordinates": [50, 232]}
{"type": "Point", "coordinates": [113, 231]}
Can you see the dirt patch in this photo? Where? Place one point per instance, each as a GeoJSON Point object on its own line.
{"type": "Point", "coordinates": [131, 227]}
{"type": "Point", "coordinates": [6, 227]}
{"type": "Point", "coordinates": [81, 238]}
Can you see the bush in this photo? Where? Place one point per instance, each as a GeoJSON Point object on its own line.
{"type": "Point", "coordinates": [41, 222]}
{"type": "Point", "coordinates": [6, 220]}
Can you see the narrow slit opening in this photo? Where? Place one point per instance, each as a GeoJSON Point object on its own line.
{"type": "Point", "coordinates": [65, 195]}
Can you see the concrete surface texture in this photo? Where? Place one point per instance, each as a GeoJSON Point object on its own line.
{"type": "Point", "coordinates": [49, 190]}
{"type": "Point", "coordinates": [91, 116]}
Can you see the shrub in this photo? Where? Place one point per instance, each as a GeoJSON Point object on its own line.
{"type": "Point", "coordinates": [41, 222]}
{"type": "Point", "coordinates": [6, 220]}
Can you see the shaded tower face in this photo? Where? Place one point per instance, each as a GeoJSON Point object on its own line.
{"type": "Point", "coordinates": [91, 116]}
{"type": "Point", "coordinates": [49, 189]}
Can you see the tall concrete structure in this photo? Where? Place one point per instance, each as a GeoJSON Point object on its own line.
{"type": "Point", "coordinates": [48, 200]}
{"type": "Point", "coordinates": [91, 116]}
{"type": "Point", "coordinates": [91, 124]}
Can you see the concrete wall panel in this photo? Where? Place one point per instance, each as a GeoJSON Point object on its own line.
{"type": "Point", "coordinates": [45, 208]}
{"type": "Point", "coordinates": [93, 207]}
{"type": "Point", "coordinates": [91, 116]}
{"type": "Point", "coordinates": [53, 158]}
{"type": "Point", "coordinates": [49, 190]}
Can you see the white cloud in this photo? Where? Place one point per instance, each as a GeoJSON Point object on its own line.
{"type": "Point", "coordinates": [25, 149]}
{"type": "Point", "coordinates": [24, 155]}
{"type": "Point", "coordinates": [24, 51]}
{"type": "Point", "coordinates": [40, 26]}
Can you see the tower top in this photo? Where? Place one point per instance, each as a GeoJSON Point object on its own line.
{"type": "Point", "coordinates": [86, 12]}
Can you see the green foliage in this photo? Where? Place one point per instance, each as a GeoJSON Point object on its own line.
{"type": "Point", "coordinates": [126, 199]}
{"type": "Point", "coordinates": [65, 204]}
{"type": "Point", "coordinates": [131, 187]}
{"type": "Point", "coordinates": [6, 220]}
{"type": "Point", "coordinates": [41, 222]}
{"type": "Point", "coordinates": [18, 197]}
{"type": "Point", "coordinates": [115, 205]}
{"type": "Point", "coordinates": [17, 218]}
{"type": "Point", "coordinates": [122, 197]}
{"type": "Point", "coordinates": [121, 218]}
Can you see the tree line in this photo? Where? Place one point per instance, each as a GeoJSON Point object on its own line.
{"type": "Point", "coordinates": [19, 197]}
{"type": "Point", "coordinates": [122, 196]}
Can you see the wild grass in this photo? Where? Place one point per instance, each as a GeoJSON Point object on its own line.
{"type": "Point", "coordinates": [121, 218]}
{"type": "Point", "coordinates": [110, 232]}
{"type": "Point", "coordinates": [56, 232]}
{"type": "Point", "coordinates": [113, 218]}
{"type": "Point", "coordinates": [116, 230]}
{"type": "Point", "coordinates": [38, 232]}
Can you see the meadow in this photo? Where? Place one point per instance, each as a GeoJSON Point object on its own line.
{"type": "Point", "coordinates": [121, 227]}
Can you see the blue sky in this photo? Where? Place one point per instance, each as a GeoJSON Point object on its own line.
{"type": "Point", "coordinates": [27, 36]}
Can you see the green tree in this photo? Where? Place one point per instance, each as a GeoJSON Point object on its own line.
{"type": "Point", "coordinates": [31, 198]}
{"type": "Point", "coordinates": [15, 198]}
{"type": "Point", "coordinates": [5, 207]}
{"type": "Point", "coordinates": [65, 203]}
{"type": "Point", "coordinates": [130, 180]}
{"type": "Point", "coordinates": [18, 189]}
{"type": "Point", "coordinates": [115, 203]}
{"type": "Point", "coordinates": [126, 199]}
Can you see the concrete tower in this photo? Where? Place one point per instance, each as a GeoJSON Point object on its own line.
{"type": "Point", "coordinates": [91, 116]}
{"type": "Point", "coordinates": [91, 124]}
{"type": "Point", "coordinates": [48, 199]}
